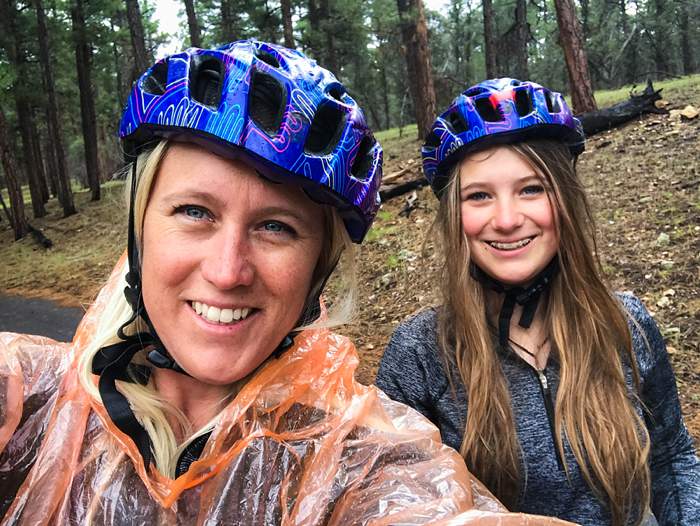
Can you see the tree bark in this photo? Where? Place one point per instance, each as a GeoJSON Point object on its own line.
{"type": "Point", "coordinates": [489, 40]}
{"type": "Point", "coordinates": [50, 165]}
{"type": "Point", "coordinates": [287, 23]}
{"type": "Point", "coordinates": [65, 195]}
{"type": "Point", "coordinates": [571, 41]}
{"type": "Point", "coordinates": [36, 149]}
{"type": "Point", "coordinates": [14, 189]}
{"type": "Point", "coordinates": [661, 36]}
{"type": "Point", "coordinates": [83, 61]}
{"type": "Point", "coordinates": [192, 24]}
{"type": "Point", "coordinates": [686, 46]}
{"type": "Point", "coordinates": [142, 57]}
{"type": "Point", "coordinates": [414, 33]}
{"type": "Point", "coordinates": [228, 32]}
{"type": "Point", "coordinates": [522, 36]}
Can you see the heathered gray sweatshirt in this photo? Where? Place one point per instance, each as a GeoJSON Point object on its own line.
{"type": "Point", "coordinates": [411, 372]}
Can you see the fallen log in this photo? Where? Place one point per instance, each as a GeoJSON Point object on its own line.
{"type": "Point", "coordinates": [403, 188]}
{"type": "Point", "coordinates": [600, 120]}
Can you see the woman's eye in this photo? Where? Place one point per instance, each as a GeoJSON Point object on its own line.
{"type": "Point", "coordinates": [533, 189]}
{"type": "Point", "coordinates": [277, 227]}
{"type": "Point", "coordinates": [193, 212]}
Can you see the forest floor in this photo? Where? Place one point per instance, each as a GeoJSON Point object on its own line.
{"type": "Point", "coordinates": [643, 179]}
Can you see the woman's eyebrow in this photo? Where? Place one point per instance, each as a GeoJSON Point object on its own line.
{"type": "Point", "coordinates": [191, 194]}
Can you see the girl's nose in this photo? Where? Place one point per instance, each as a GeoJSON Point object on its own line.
{"type": "Point", "coordinates": [506, 216]}
{"type": "Point", "coordinates": [227, 263]}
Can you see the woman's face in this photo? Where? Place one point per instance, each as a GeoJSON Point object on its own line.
{"type": "Point", "coordinates": [228, 259]}
{"type": "Point", "coordinates": [506, 215]}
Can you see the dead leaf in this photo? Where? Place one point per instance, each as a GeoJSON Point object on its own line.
{"type": "Point", "coordinates": [689, 112]}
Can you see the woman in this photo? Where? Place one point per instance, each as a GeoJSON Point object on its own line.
{"type": "Point", "coordinates": [201, 387]}
{"type": "Point", "coordinates": [558, 393]}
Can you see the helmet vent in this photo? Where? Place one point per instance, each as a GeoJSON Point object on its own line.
{"type": "Point", "coordinates": [206, 73]}
{"type": "Point", "coordinates": [266, 102]}
{"type": "Point", "coordinates": [487, 111]}
{"type": "Point", "coordinates": [268, 58]}
{"type": "Point", "coordinates": [156, 82]}
{"type": "Point", "coordinates": [337, 92]}
{"type": "Point", "coordinates": [475, 90]}
{"type": "Point", "coordinates": [456, 122]}
{"type": "Point", "coordinates": [325, 129]}
{"type": "Point", "coordinates": [432, 140]}
{"type": "Point", "coordinates": [523, 103]}
{"type": "Point", "coordinates": [553, 105]}
{"type": "Point", "coordinates": [363, 160]}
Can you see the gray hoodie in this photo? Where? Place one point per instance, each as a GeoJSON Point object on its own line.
{"type": "Point", "coordinates": [411, 372]}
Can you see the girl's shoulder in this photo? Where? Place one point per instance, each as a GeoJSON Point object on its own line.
{"type": "Point", "coordinates": [647, 340]}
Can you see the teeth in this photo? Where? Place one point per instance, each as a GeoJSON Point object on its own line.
{"type": "Point", "coordinates": [217, 315]}
{"type": "Point", "coordinates": [510, 246]}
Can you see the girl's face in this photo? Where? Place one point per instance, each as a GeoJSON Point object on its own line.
{"type": "Point", "coordinates": [506, 215]}
{"type": "Point", "coordinates": [228, 261]}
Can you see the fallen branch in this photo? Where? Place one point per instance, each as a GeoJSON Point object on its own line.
{"type": "Point", "coordinates": [39, 237]}
{"type": "Point", "coordinates": [600, 120]}
{"type": "Point", "coordinates": [403, 188]}
{"type": "Point", "coordinates": [395, 175]}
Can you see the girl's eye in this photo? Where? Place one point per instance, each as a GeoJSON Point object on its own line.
{"type": "Point", "coordinates": [477, 196]}
{"type": "Point", "coordinates": [193, 212]}
{"type": "Point", "coordinates": [533, 189]}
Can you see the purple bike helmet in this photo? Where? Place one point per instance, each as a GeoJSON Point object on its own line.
{"type": "Point", "coordinates": [274, 108]}
{"type": "Point", "coordinates": [496, 111]}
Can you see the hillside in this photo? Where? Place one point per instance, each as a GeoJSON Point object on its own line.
{"type": "Point", "coordinates": [644, 183]}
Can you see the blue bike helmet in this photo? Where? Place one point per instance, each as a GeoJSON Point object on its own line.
{"type": "Point", "coordinates": [497, 111]}
{"type": "Point", "coordinates": [274, 108]}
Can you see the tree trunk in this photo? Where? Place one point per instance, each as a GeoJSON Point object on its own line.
{"type": "Point", "coordinates": [330, 60]}
{"type": "Point", "coordinates": [489, 40]}
{"type": "Point", "coordinates": [571, 41]}
{"type": "Point", "coordinates": [9, 165]}
{"type": "Point", "coordinates": [522, 36]}
{"type": "Point", "coordinates": [228, 31]}
{"type": "Point", "coordinates": [661, 38]}
{"type": "Point", "coordinates": [36, 149]}
{"type": "Point", "coordinates": [65, 195]}
{"type": "Point", "coordinates": [414, 33]}
{"type": "Point", "coordinates": [83, 61]}
{"type": "Point", "coordinates": [142, 57]}
{"type": "Point", "coordinates": [195, 39]}
{"type": "Point", "coordinates": [287, 23]}
{"type": "Point", "coordinates": [50, 165]}
{"type": "Point", "coordinates": [686, 46]}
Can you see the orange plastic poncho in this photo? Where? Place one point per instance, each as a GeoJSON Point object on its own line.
{"type": "Point", "coordinates": [301, 444]}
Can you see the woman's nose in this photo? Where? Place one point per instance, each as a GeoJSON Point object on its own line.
{"type": "Point", "coordinates": [227, 263]}
{"type": "Point", "coordinates": [506, 216]}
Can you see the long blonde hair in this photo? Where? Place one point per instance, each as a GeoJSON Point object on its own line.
{"type": "Point", "coordinates": [149, 408]}
{"type": "Point", "coordinates": [589, 336]}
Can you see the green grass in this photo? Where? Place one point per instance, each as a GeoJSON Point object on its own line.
{"type": "Point", "coordinates": [384, 136]}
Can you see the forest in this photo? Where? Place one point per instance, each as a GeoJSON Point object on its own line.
{"type": "Point", "coordinates": [66, 66]}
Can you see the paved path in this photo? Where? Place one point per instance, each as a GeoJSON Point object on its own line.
{"type": "Point", "coordinates": [37, 316]}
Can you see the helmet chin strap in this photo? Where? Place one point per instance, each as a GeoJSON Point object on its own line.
{"type": "Point", "coordinates": [528, 296]}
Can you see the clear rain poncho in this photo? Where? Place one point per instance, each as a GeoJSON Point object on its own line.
{"type": "Point", "coordinates": [301, 444]}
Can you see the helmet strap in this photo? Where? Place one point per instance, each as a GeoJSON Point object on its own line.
{"type": "Point", "coordinates": [528, 297]}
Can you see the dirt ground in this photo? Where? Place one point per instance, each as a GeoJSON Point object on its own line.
{"type": "Point", "coordinates": [644, 182]}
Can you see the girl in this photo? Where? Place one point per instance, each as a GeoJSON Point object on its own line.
{"type": "Point", "coordinates": [557, 392]}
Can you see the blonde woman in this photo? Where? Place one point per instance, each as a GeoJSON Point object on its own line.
{"type": "Point", "coordinates": [201, 387]}
{"type": "Point", "coordinates": [558, 393]}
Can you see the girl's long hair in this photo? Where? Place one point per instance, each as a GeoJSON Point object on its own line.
{"type": "Point", "coordinates": [589, 336]}
{"type": "Point", "coordinates": [149, 408]}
